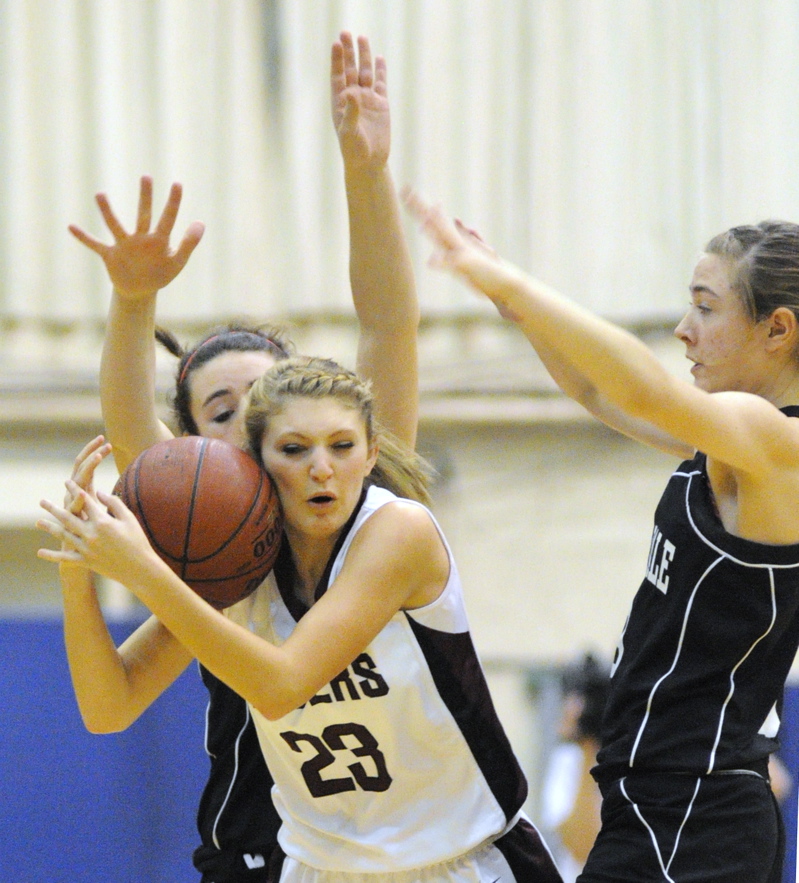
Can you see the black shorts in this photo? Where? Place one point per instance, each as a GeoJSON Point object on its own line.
{"type": "Point", "coordinates": [230, 866]}
{"type": "Point", "coordinates": [722, 828]}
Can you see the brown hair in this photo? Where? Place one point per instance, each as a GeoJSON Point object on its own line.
{"type": "Point", "coordinates": [234, 337]}
{"type": "Point", "coordinates": [765, 265]}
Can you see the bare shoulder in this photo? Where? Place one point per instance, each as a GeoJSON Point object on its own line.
{"type": "Point", "coordinates": [404, 523]}
{"type": "Point", "coordinates": [401, 542]}
{"type": "Point", "coordinates": [774, 433]}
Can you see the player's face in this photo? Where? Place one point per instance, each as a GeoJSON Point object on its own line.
{"type": "Point", "coordinates": [720, 338]}
{"type": "Point", "coordinates": [318, 455]}
{"type": "Point", "coordinates": [218, 390]}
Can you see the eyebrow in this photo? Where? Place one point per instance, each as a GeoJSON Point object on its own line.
{"type": "Point", "coordinates": [702, 289]}
{"type": "Point", "coordinates": [217, 394]}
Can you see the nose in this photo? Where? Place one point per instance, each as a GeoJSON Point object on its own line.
{"type": "Point", "coordinates": [683, 330]}
{"type": "Point", "coordinates": [321, 468]}
{"type": "Point", "coordinates": [237, 431]}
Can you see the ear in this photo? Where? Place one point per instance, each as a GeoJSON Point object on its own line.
{"type": "Point", "coordinates": [370, 463]}
{"type": "Point", "coordinates": [783, 330]}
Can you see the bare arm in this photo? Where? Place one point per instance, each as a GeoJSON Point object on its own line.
{"type": "Point", "coordinates": [112, 686]}
{"type": "Point", "coordinates": [578, 387]}
{"type": "Point", "coordinates": [139, 264]}
{"type": "Point", "coordinates": [381, 271]}
{"type": "Point", "coordinates": [397, 559]}
{"type": "Point", "coordinates": [575, 384]}
{"type": "Point", "coordinates": [743, 431]}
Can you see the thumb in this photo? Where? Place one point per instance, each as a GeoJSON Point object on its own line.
{"type": "Point", "coordinates": [114, 505]}
{"type": "Point", "coordinates": [352, 112]}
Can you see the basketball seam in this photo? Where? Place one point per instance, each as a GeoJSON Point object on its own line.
{"type": "Point", "coordinates": [243, 523]}
{"type": "Point", "coordinates": [264, 510]}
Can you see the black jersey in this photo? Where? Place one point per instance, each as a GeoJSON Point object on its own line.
{"type": "Point", "coordinates": [713, 631]}
{"type": "Point", "coordinates": [236, 819]}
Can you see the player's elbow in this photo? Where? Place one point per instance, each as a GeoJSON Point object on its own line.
{"type": "Point", "coordinates": [98, 727]}
{"type": "Point", "coordinates": [273, 712]}
{"type": "Point", "coordinates": [100, 722]}
{"type": "Point", "coordinates": [281, 698]}
{"type": "Point", "coordinates": [274, 706]}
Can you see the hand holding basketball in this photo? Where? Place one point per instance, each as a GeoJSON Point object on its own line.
{"type": "Point", "coordinates": [205, 507]}
{"type": "Point", "coordinates": [104, 535]}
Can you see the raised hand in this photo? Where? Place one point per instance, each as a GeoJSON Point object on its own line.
{"type": "Point", "coordinates": [455, 245]}
{"type": "Point", "coordinates": [142, 262]}
{"type": "Point", "coordinates": [462, 252]}
{"type": "Point", "coordinates": [360, 103]}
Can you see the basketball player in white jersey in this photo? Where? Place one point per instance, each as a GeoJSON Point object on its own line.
{"type": "Point", "coordinates": [354, 656]}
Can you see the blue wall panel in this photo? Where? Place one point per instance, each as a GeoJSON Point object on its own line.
{"type": "Point", "coordinates": [119, 808]}
{"type": "Point", "coordinates": [789, 752]}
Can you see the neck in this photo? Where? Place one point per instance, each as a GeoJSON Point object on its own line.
{"type": "Point", "coordinates": [310, 557]}
{"type": "Point", "coordinates": [784, 390]}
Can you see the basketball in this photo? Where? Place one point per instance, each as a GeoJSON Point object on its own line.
{"type": "Point", "coordinates": [210, 512]}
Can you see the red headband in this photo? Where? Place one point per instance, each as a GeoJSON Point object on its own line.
{"type": "Point", "coordinates": [259, 337]}
{"type": "Point", "coordinates": [191, 357]}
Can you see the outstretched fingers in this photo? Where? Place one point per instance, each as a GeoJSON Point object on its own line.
{"type": "Point", "coordinates": [144, 215]}
{"type": "Point", "coordinates": [433, 221]}
{"type": "Point", "coordinates": [365, 69]}
{"type": "Point", "coordinates": [381, 76]}
{"type": "Point", "coordinates": [89, 241]}
{"type": "Point", "coordinates": [349, 60]}
{"type": "Point", "coordinates": [111, 221]}
{"type": "Point", "coordinates": [191, 239]}
{"type": "Point", "coordinates": [166, 222]}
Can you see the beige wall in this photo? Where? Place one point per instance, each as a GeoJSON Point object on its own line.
{"type": "Point", "coordinates": [550, 526]}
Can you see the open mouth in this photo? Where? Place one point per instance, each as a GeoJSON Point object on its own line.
{"type": "Point", "coordinates": [322, 498]}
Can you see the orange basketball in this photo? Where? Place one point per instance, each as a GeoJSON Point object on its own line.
{"type": "Point", "coordinates": [210, 512]}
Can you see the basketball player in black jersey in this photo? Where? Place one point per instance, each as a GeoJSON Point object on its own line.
{"type": "Point", "coordinates": [700, 668]}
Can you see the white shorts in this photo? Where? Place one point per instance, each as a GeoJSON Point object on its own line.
{"type": "Point", "coordinates": [519, 855]}
{"type": "Point", "coordinates": [483, 865]}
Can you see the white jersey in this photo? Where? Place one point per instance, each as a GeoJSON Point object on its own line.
{"type": "Point", "coordinates": [401, 761]}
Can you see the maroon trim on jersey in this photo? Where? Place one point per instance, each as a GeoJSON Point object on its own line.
{"type": "Point", "coordinates": [460, 682]}
{"type": "Point", "coordinates": [284, 568]}
{"type": "Point", "coordinates": [525, 851]}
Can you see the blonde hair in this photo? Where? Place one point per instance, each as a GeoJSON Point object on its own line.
{"type": "Point", "coordinates": [397, 469]}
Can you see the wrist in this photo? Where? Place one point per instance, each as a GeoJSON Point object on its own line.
{"type": "Point", "coordinates": [76, 579]}
{"type": "Point", "coordinates": [149, 577]}
{"type": "Point", "coordinates": [134, 301]}
{"type": "Point", "coordinates": [366, 174]}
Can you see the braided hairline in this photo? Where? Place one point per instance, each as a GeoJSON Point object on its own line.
{"type": "Point", "coordinates": [312, 377]}
{"type": "Point", "coordinates": [309, 377]}
{"type": "Point", "coordinates": [398, 468]}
